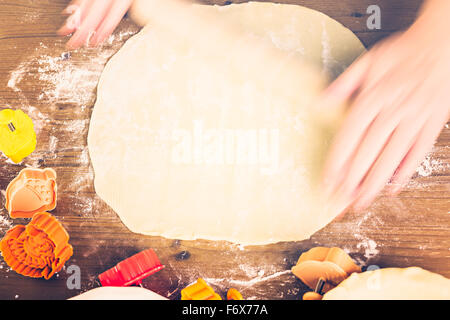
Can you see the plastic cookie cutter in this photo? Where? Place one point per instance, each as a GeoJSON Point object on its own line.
{"type": "Point", "coordinates": [317, 293]}
{"type": "Point", "coordinates": [39, 249]}
{"type": "Point", "coordinates": [233, 294]}
{"type": "Point", "coordinates": [132, 270]}
{"type": "Point", "coordinates": [33, 190]}
{"type": "Point", "coordinates": [199, 291]}
{"type": "Point", "coordinates": [322, 269]}
{"type": "Point", "coordinates": [17, 135]}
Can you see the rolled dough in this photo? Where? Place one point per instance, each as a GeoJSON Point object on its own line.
{"type": "Point", "coordinates": [392, 284]}
{"type": "Point", "coordinates": [119, 293]}
{"type": "Point", "coordinates": [204, 125]}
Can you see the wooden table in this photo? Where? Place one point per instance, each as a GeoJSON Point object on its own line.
{"type": "Point", "coordinates": [57, 89]}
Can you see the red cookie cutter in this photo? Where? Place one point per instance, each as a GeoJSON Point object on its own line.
{"type": "Point", "coordinates": [132, 270]}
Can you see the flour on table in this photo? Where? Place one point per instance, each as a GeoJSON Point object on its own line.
{"type": "Point", "coordinates": [243, 284]}
{"type": "Point", "coordinates": [68, 79]}
{"type": "Point", "coordinates": [366, 247]}
{"type": "Point", "coordinates": [428, 166]}
{"type": "Point", "coordinates": [5, 221]}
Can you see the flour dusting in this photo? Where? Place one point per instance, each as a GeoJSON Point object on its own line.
{"type": "Point", "coordinates": [5, 222]}
{"type": "Point", "coordinates": [67, 84]}
{"type": "Point", "coordinates": [428, 166]}
{"type": "Point", "coordinates": [66, 81]}
{"type": "Point", "coordinates": [366, 247]}
{"type": "Point", "coordinates": [252, 281]}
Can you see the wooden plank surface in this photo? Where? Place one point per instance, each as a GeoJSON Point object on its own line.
{"type": "Point", "coordinates": [58, 89]}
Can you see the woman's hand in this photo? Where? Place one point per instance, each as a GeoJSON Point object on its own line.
{"type": "Point", "coordinates": [399, 103]}
{"type": "Point", "coordinates": [91, 22]}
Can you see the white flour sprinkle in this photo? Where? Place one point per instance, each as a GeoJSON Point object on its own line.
{"type": "Point", "coordinates": [247, 283]}
{"type": "Point", "coordinates": [15, 77]}
{"type": "Point", "coordinates": [120, 36]}
{"type": "Point", "coordinates": [81, 181]}
{"type": "Point", "coordinates": [368, 245]}
{"type": "Point", "coordinates": [5, 222]}
{"type": "Point", "coordinates": [365, 246]}
{"type": "Point", "coordinates": [53, 143]}
{"type": "Point", "coordinates": [84, 157]}
{"type": "Point", "coordinates": [67, 82]}
{"type": "Point", "coordinates": [428, 166]}
{"type": "Point", "coordinates": [65, 77]}
{"type": "Point", "coordinates": [76, 126]}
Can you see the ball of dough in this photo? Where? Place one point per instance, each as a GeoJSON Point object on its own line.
{"type": "Point", "coordinates": [392, 284]}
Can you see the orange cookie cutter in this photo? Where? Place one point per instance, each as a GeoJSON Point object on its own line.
{"type": "Point", "coordinates": [322, 269]}
{"type": "Point", "coordinates": [32, 191]}
{"type": "Point", "coordinates": [199, 291]}
{"type": "Point", "coordinates": [233, 294]}
{"type": "Point", "coordinates": [39, 249]}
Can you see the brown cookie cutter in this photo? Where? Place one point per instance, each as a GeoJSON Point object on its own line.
{"type": "Point", "coordinates": [33, 190]}
{"type": "Point", "coordinates": [322, 269]}
{"type": "Point", "coordinates": [38, 249]}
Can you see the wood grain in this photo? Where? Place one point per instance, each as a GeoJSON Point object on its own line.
{"type": "Point", "coordinates": [412, 229]}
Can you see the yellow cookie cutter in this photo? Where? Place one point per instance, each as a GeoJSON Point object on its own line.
{"type": "Point", "coordinates": [17, 135]}
{"type": "Point", "coordinates": [199, 291]}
